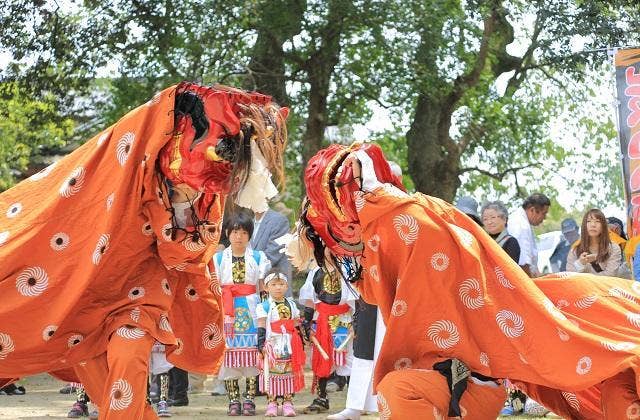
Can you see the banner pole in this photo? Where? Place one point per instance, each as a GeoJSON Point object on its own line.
{"type": "Point", "coordinates": [611, 52]}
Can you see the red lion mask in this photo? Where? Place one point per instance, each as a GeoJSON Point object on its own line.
{"type": "Point", "coordinates": [332, 191]}
{"type": "Point", "coordinates": [211, 127]}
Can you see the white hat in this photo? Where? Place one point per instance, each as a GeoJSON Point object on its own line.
{"type": "Point", "coordinates": [276, 275]}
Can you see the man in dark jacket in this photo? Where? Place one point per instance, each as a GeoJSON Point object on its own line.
{"type": "Point", "coordinates": [267, 227]}
{"type": "Point", "coordinates": [570, 234]}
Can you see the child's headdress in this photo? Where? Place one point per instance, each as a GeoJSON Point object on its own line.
{"type": "Point", "coordinates": [273, 276]}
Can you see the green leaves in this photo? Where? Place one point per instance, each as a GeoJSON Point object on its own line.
{"type": "Point", "coordinates": [27, 128]}
{"type": "Point", "coordinates": [497, 96]}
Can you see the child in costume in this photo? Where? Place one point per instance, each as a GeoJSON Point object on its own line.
{"type": "Point", "coordinates": [80, 407]}
{"type": "Point", "coordinates": [326, 293]}
{"type": "Point", "coordinates": [240, 269]}
{"type": "Point", "coordinates": [281, 346]}
{"type": "Point", "coordinates": [159, 367]}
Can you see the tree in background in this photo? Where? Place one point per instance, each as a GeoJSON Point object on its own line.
{"type": "Point", "coordinates": [471, 86]}
{"type": "Point", "coordinates": [28, 129]}
{"type": "Point", "coordinates": [479, 106]}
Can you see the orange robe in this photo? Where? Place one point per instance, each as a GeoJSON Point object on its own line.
{"type": "Point", "coordinates": [85, 251]}
{"type": "Point", "coordinates": [447, 290]}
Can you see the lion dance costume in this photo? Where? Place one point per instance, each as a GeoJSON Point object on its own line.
{"type": "Point", "coordinates": [99, 258]}
{"type": "Point", "coordinates": [460, 314]}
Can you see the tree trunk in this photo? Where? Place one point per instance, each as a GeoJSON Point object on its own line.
{"type": "Point", "coordinates": [434, 159]}
{"type": "Point", "coordinates": [279, 21]}
{"type": "Point", "coordinates": [316, 121]}
{"type": "Point", "coordinates": [320, 68]}
{"type": "Point", "coordinates": [266, 69]}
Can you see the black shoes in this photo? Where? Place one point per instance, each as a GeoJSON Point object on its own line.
{"type": "Point", "coordinates": [67, 389]}
{"type": "Point", "coordinates": [180, 402]}
{"type": "Point", "coordinates": [319, 405]}
{"type": "Point", "coordinates": [12, 389]}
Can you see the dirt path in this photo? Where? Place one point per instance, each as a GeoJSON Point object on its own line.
{"type": "Point", "coordinates": [43, 401]}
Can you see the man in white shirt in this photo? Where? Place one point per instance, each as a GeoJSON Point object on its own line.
{"type": "Point", "coordinates": [520, 225]}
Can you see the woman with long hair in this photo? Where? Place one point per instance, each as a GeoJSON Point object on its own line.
{"type": "Point", "coordinates": [595, 253]}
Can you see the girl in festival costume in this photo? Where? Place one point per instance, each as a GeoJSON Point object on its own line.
{"type": "Point", "coordinates": [95, 260]}
{"type": "Point", "coordinates": [81, 406]}
{"type": "Point", "coordinates": [281, 346]}
{"type": "Point", "coordinates": [326, 294]}
{"type": "Point", "coordinates": [240, 270]}
{"type": "Point", "coordinates": [159, 368]}
{"type": "Point", "coordinates": [460, 313]}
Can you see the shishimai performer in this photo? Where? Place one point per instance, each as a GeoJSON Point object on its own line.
{"type": "Point", "coordinates": [108, 249]}
{"type": "Point", "coordinates": [460, 314]}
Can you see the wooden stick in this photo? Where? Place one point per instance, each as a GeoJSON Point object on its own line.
{"type": "Point", "coordinates": [323, 353]}
{"type": "Point", "coordinates": [266, 373]}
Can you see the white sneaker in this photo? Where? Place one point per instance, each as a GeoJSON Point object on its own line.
{"type": "Point", "coordinates": [534, 408]}
{"type": "Point", "coordinates": [346, 414]}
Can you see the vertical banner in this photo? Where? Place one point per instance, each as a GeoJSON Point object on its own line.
{"type": "Point", "coordinates": [627, 64]}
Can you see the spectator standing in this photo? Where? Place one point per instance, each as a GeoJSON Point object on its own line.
{"type": "Point", "coordinates": [178, 387]}
{"type": "Point", "coordinates": [267, 227]}
{"type": "Point", "coordinates": [616, 232]}
{"type": "Point", "coordinates": [520, 225]}
{"type": "Point", "coordinates": [595, 253]}
{"type": "Point", "coordinates": [494, 219]}
{"type": "Point", "coordinates": [570, 234]}
{"type": "Point", "coordinates": [469, 206]}
{"type": "Point", "coordinates": [636, 264]}
{"type": "Point", "coordinates": [619, 237]}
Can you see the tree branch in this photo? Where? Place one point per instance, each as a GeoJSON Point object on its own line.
{"type": "Point", "coordinates": [526, 60]}
{"type": "Point", "coordinates": [559, 82]}
{"type": "Point", "coordinates": [464, 82]}
{"type": "Point", "coordinates": [473, 132]}
{"type": "Point", "coordinates": [501, 175]}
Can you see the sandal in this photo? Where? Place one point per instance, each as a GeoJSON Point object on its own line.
{"type": "Point", "coordinates": [319, 405]}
